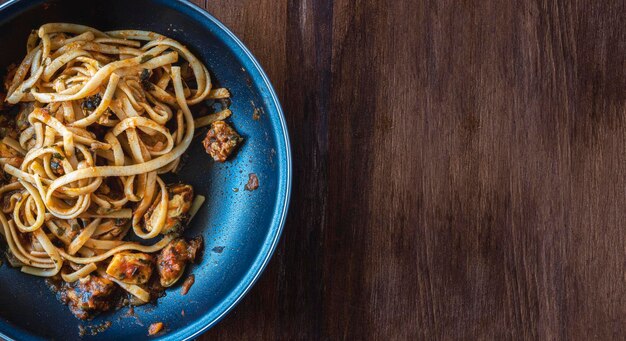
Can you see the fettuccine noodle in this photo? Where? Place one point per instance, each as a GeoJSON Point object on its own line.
{"type": "Point", "coordinates": [108, 114]}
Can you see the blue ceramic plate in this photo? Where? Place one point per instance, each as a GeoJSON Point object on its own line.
{"type": "Point", "coordinates": [240, 228]}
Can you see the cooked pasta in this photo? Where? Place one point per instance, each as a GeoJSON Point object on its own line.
{"type": "Point", "coordinates": [103, 115]}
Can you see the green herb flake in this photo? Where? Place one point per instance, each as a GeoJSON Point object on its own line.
{"type": "Point", "coordinates": [55, 165]}
{"type": "Point", "coordinates": [145, 75]}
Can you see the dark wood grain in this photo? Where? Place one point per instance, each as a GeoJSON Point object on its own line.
{"type": "Point", "coordinates": [459, 169]}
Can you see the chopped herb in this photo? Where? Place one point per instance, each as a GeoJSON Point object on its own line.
{"type": "Point", "coordinates": [92, 102]}
{"type": "Point", "coordinates": [54, 164]}
{"type": "Point", "coordinates": [146, 58]}
{"type": "Point", "coordinates": [58, 156]}
{"type": "Point", "coordinates": [145, 74]}
{"type": "Point", "coordinates": [75, 227]}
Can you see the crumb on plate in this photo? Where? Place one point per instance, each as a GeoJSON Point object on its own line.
{"type": "Point", "coordinates": [155, 328]}
{"type": "Point", "coordinates": [253, 182]}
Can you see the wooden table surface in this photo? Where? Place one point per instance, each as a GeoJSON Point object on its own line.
{"type": "Point", "coordinates": [459, 169]}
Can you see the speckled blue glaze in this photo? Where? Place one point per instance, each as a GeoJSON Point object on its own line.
{"type": "Point", "coordinates": [241, 228]}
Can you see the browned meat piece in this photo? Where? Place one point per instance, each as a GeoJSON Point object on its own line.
{"type": "Point", "coordinates": [195, 248]}
{"type": "Point", "coordinates": [88, 296]}
{"type": "Point", "coordinates": [155, 328]}
{"type": "Point", "coordinates": [173, 258]}
{"type": "Point", "coordinates": [132, 268]}
{"type": "Point", "coordinates": [253, 182]}
{"type": "Point", "coordinates": [221, 141]}
{"type": "Point", "coordinates": [180, 198]}
{"type": "Point", "coordinates": [171, 262]}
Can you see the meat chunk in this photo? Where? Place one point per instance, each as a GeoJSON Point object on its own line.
{"type": "Point", "coordinates": [253, 182]}
{"type": "Point", "coordinates": [174, 257]}
{"type": "Point", "coordinates": [88, 296]}
{"type": "Point", "coordinates": [131, 268]}
{"type": "Point", "coordinates": [180, 198]}
{"type": "Point", "coordinates": [221, 141]}
{"type": "Point", "coordinates": [171, 262]}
